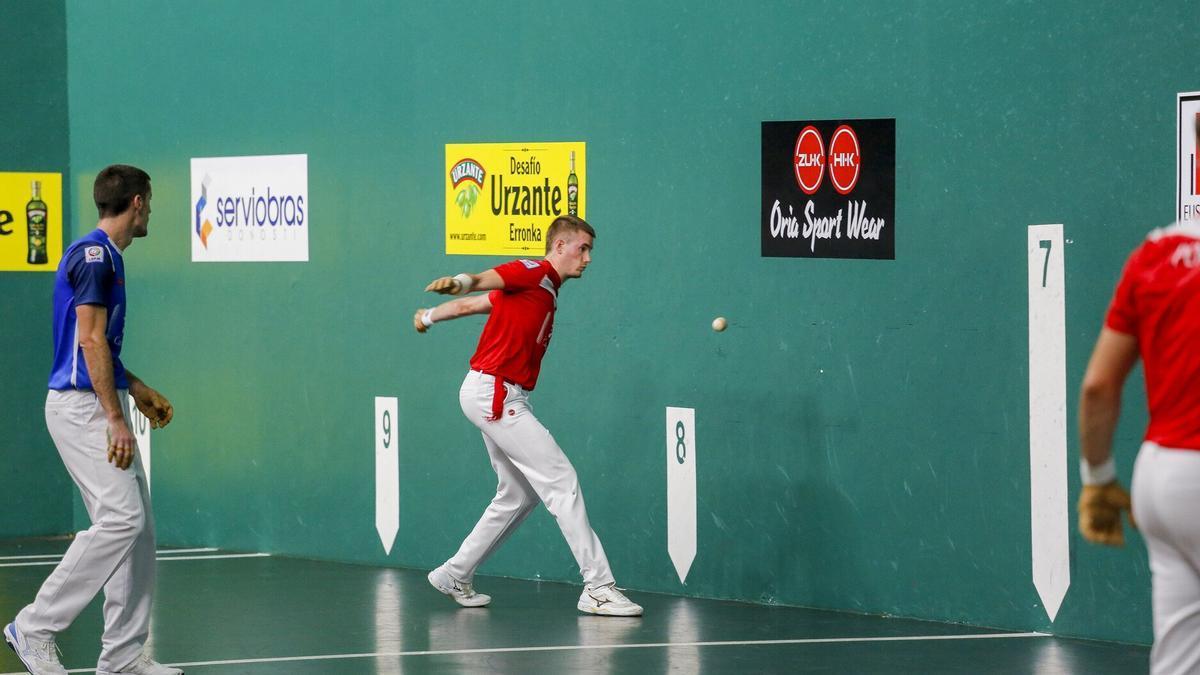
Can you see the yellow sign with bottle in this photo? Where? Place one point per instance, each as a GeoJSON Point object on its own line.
{"type": "Point", "coordinates": [30, 222]}
{"type": "Point", "coordinates": [502, 197]}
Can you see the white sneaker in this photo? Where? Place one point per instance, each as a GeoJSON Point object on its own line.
{"type": "Point", "coordinates": [143, 665]}
{"type": "Point", "coordinates": [38, 657]}
{"type": "Point", "coordinates": [461, 591]}
{"type": "Point", "coordinates": [607, 600]}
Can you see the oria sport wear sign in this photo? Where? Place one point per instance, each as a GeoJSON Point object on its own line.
{"type": "Point", "coordinates": [829, 189]}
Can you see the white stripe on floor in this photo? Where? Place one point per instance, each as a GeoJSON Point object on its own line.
{"type": "Point", "coordinates": [217, 557]}
{"type": "Point", "coordinates": [169, 557]}
{"type": "Point", "coordinates": [59, 555]}
{"type": "Point", "coordinates": [566, 648]}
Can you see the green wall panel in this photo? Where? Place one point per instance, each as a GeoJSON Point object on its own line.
{"type": "Point", "coordinates": [862, 428]}
{"type": "Point", "coordinates": [35, 491]}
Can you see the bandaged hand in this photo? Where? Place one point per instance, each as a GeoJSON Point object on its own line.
{"type": "Point", "coordinates": [458, 284]}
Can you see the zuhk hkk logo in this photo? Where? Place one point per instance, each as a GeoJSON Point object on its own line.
{"type": "Point", "coordinates": [844, 160]}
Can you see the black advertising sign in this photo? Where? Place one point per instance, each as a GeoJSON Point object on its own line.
{"type": "Point", "coordinates": [829, 189]}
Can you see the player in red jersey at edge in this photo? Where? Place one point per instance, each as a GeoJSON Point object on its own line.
{"type": "Point", "coordinates": [520, 300]}
{"type": "Point", "coordinates": [1155, 315]}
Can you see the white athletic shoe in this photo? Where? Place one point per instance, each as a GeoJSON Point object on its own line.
{"type": "Point", "coordinates": [607, 600]}
{"type": "Point", "coordinates": [461, 591]}
{"type": "Point", "coordinates": [38, 657]}
{"type": "Point", "coordinates": [143, 665]}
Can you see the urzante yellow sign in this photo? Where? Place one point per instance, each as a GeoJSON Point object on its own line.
{"type": "Point", "coordinates": [502, 197]}
{"type": "Point", "coordinates": [30, 222]}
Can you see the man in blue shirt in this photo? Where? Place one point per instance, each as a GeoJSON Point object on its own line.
{"type": "Point", "coordinates": [88, 418]}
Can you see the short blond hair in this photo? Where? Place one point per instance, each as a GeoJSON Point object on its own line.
{"type": "Point", "coordinates": [566, 224]}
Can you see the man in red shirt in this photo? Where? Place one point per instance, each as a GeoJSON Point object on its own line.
{"type": "Point", "coordinates": [1155, 314]}
{"type": "Point", "coordinates": [520, 301]}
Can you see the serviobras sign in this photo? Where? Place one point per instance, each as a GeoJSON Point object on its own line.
{"type": "Point", "coordinates": [249, 209]}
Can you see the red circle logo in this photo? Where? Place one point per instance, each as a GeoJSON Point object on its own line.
{"type": "Point", "coordinates": [845, 159]}
{"type": "Point", "coordinates": [808, 160]}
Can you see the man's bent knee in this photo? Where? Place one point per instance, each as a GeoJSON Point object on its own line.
{"type": "Point", "coordinates": [513, 497]}
{"type": "Point", "coordinates": [563, 499]}
{"type": "Point", "coordinates": [125, 525]}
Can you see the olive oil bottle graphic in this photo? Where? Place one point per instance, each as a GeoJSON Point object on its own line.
{"type": "Point", "coordinates": [573, 189]}
{"type": "Point", "coordinates": [35, 216]}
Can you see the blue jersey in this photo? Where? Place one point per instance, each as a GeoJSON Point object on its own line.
{"type": "Point", "coordinates": [91, 273]}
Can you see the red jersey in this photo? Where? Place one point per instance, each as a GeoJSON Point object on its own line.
{"type": "Point", "coordinates": [517, 332]}
{"type": "Point", "coordinates": [1158, 302]}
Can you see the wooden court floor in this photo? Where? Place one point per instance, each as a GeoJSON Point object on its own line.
{"type": "Point", "coordinates": [221, 612]}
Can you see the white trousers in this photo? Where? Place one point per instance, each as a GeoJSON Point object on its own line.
{"type": "Point", "coordinates": [115, 554]}
{"type": "Point", "coordinates": [1166, 499]}
{"type": "Point", "coordinates": [531, 467]}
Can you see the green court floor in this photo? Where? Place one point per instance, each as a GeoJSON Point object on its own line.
{"type": "Point", "coordinates": [258, 614]}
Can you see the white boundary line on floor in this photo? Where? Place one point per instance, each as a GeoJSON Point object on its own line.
{"type": "Point", "coordinates": [59, 555]}
{"type": "Point", "coordinates": [567, 648]}
{"type": "Point", "coordinates": [169, 557]}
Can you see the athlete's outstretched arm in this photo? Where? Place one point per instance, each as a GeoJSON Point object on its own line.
{"type": "Point", "coordinates": [453, 309]}
{"type": "Point", "coordinates": [461, 284]}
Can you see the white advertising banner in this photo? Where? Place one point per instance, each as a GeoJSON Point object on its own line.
{"type": "Point", "coordinates": [1187, 186]}
{"type": "Point", "coordinates": [249, 209]}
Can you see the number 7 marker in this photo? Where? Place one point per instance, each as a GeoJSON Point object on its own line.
{"type": "Point", "coordinates": [1048, 416]}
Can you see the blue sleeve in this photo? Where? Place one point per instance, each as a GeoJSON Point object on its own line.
{"type": "Point", "coordinates": [91, 279]}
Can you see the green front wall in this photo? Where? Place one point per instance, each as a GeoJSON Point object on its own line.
{"type": "Point", "coordinates": [35, 492]}
{"type": "Point", "coordinates": [862, 428]}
